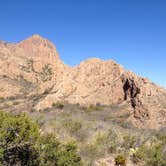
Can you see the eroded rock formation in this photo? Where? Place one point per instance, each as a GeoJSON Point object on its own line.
{"type": "Point", "coordinates": [33, 67]}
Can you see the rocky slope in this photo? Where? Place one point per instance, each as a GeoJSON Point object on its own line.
{"type": "Point", "coordinates": [33, 67]}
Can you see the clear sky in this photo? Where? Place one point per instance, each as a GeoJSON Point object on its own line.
{"type": "Point", "coordinates": [132, 32]}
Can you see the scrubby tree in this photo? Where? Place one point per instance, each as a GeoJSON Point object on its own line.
{"type": "Point", "coordinates": [22, 144]}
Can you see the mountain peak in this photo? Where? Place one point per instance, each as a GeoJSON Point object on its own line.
{"type": "Point", "coordinates": [37, 37]}
{"type": "Point", "coordinates": [38, 45]}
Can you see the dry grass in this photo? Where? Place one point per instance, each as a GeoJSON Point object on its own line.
{"type": "Point", "coordinates": [101, 132]}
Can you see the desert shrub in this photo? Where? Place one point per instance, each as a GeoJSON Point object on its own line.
{"type": "Point", "coordinates": [139, 154]}
{"type": "Point", "coordinates": [92, 107]}
{"type": "Point", "coordinates": [101, 144]}
{"type": "Point", "coordinates": [33, 110]}
{"type": "Point", "coordinates": [120, 160]}
{"type": "Point", "coordinates": [58, 105]}
{"type": "Point", "coordinates": [47, 109]}
{"type": "Point", "coordinates": [46, 73]}
{"type": "Point", "coordinates": [48, 147]}
{"type": "Point", "coordinates": [15, 103]}
{"type": "Point", "coordinates": [153, 156]}
{"type": "Point", "coordinates": [161, 135]}
{"type": "Point", "coordinates": [108, 139]}
{"type": "Point", "coordinates": [156, 156]}
{"type": "Point", "coordinates": [91, 152]}
{"type": "Point", "coordinates": [17, 136]}
{"type": "Point", "coordinates": [24, 154]}
{"type": "Point", "coordinates": [52, 152]}
{"type": "Point", "coordinates": [46, 91]}
{"type": "Point", "coordinates": [67, 156]}
{"type": "Point", "coordinates": [22, 143]}
{"type": "Point", "coordinates": [15, 129]}
{"type": "Point", "coordinates": [125, 124]}
{"type": "Point", "coordinates": [26, 85]}
{"type": "Point", "coordinates": [2, 98]}
{"type": "Point", "coordinates": [72, 126]}
{"type": "Point", "coordinates": [4, 76]}
{"type": "Point", "coordinates": [112, 141]}
{"type": "Point", "coordinates": [129, 141]}
{"type": "Point", "coordinates": [11, 97]}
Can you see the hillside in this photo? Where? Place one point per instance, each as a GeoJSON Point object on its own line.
{"type": "Point", "coordinates": [33, 69]}
{"type": "Point", "coordinates": [108, 113]}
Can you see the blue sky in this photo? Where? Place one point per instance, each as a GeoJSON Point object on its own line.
{"type": "Point", "coordinates": [132, 32]}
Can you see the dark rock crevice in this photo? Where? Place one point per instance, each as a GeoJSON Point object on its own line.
{"type": "Point", "coordinates": [131, 92]}
{"type": "Point", "coordinates": [130, 89]}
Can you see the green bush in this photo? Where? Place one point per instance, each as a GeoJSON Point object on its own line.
{"type": "Point", "coordinates": [58, 105]}
{"type": "Point", "coordinates": [18, 133]}
{"type": "Point", "coordinates": [92, 107]}
{"type": "Point", "coordinates": [22, 143]}
{"type": "Point", "coordinates": [139, 155]}
{"type": "Point", "coordinates": [129, 141]}
{"type": "Point", "coordinates": [48, 146]}
{"type": "Point", "coordinates": [120, 160]}
{"type": "Point", "coordinates": [67, 156]}
{"type": "Point", "coordinates": [16, 129]}
{"type": "Point", "coordinates": [161, 135]}
{"type": "Point", "coordinates": [52, 152]}
{"type": "Point", "coordinates": [72, 126]}
{"type": "Point", "coordinates": [91, 152]}
{"type": "Point", "coordinates": [156, 156]}
{"type": "Point", "coordinates": [24, 154]}
{"type": "Point", "coordinates": [2, 98]}
{"type": "Point", "coordinates": [15, 103]}
{"type": "Point", "coordinates": [153, 156]}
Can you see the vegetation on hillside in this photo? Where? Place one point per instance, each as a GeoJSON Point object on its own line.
{"type": "Point", "coordinates": [51, 137]}
{"type": "Point", "coordinates": [103, 133]}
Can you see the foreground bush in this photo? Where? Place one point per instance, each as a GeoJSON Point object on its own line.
{"type": "Point", "coordinates": [156, 156]}
{"type": "Point", "coordinates": [139, 155]}
{"type": "Point", "coordinates": [22, 144]}
{"type": "Point", "coordinates": [120, 160]}
{"type": "Point", "coordinates": [67, 156]}
{"type": "Point", "coordinates": [18, 134]}
{"type": "Point", "coordinates": [152, 156]}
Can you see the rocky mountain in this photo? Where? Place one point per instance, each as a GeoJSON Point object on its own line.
{"type": "Point", "coordinates": [32, 68]}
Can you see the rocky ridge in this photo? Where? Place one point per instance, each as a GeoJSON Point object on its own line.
{"type": "Point", "coordinates": [33, 67]}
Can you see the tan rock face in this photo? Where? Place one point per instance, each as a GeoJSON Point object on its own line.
{"type": "Point", "coordinates": [33, 63]}
{"type": "Point", "coordinates": [33, 66]}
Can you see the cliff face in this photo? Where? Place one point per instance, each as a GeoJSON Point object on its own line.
{"type": "Point", "coordinates": [29, 66]}
{"type": "Point", "coordinates": [33, 67]}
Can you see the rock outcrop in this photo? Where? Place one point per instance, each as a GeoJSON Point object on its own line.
{"type": "Point", "coordinates": [33, 67]}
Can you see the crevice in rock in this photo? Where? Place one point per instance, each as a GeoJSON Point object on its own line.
{"type": "Point", "coordinates": [130, 89]}
{"type": "Point", "coordinates": [131, 92]}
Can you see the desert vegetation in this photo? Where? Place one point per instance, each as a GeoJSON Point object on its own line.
{"type": "Point", "coordinates": [68, 134]}
{"type": "Point", "coordinates": [23, 143]}
{"type": "Point", "coordinates": [102, 134]}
